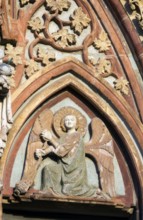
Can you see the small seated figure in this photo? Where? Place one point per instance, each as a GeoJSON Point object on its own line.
{"type": "Point", "coordinates": [70, 151]}
{"type": "Point", "coordinates": [60, 167]}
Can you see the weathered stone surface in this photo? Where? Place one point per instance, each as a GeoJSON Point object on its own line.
{"type": "Point", "coordinates": [81, 54]}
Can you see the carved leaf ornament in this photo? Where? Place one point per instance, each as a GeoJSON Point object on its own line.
{"type": "Point", "coordinates": [102, 66]}
{"type": "Point", "coordinates": [79, 21]}
{"type": "Point", "coordinates": [23, 2]}
{"type": "Point", "coordinates": [46, 57]}
{"type": "Point", "coordinates": [122, 85]}
{"type": "Point", "coordinates": [59, 5]}
{"type": "Point", "coordinates": [102, 43]}
{"type": "Point", "coordinates": [14, 54]}
{"type": "Point", "coordinates": [32, 67]}
{"type": "Point", "coordinates": [64, 38]}
{"type": "Point", "coordinates": [36, 24]}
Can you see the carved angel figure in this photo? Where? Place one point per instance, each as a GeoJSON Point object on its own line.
{"type": "Point", "coordinates": [5, 106]}
{"type": "Point", "coordinates": [70, 149]}
{"type": "Point", "coordinates": [65, 171]}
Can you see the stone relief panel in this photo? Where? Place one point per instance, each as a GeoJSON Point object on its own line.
{"type": "Point", "coordinates": [52, 30]}
{"type": "Point", "coordinates": [45, 37]}
{"type": "Point", "coordinates": [60, 29]}
{"type": "Point", "coordinates": [57, 152]}
{"type": "Point", "coordinates": [57, 164]}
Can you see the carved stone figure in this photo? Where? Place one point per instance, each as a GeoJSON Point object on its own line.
{"type": "Point", "coordinates": [72, 167]}
{"type": "Point", "coordinates": [5, 99]}
{"type": "Point", "coordinates": [65, 171]}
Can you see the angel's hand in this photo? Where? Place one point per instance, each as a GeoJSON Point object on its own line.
{"type": "Point", "coordinates": [46, 135]}
{"type": "Point", "coordinates": [40, 153]}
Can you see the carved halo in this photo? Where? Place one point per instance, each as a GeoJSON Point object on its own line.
{"type": "Point", "coordinates": [62, 113]}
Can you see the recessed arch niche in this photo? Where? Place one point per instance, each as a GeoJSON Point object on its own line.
{"type": "Point", "coordinates": [69, 89]}
{"type": "Point", "coordinates": [76, 79]}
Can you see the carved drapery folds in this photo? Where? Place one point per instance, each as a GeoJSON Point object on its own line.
{"type": "Point", "coordinates": [11, 54]}
{"type": "Point", "coordinates": [67, 144]}
{"type": "Point", "coordinates": [68, 56]}
{"type": "Point", "coordinates": [5, 104]}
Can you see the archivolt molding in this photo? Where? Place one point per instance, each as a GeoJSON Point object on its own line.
{"type": "Point", "coordinates": [131, 34]}
{"type": "Point", "coordinates": [95, 100]}
{"type": "Point", "coordinates": [38, 80]}
{"type": "Point", "coordinates": [112, 65]}
{"type": "Point", "coordinates": [111, 102]}
{"type": "Point", "coordinates": [21, 26]}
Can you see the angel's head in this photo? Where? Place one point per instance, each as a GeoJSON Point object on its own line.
{"type": "Point", "coordinates": [69, 122]}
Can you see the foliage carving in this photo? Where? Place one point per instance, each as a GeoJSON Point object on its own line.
{"type": "Point", "coordinates": [122, 85]}
{"type": "Point", "coordinates": [14, 53]}
{"type": "Point", "coordinates": [79, 20]}
{"type": "Point", "coordinates": [64, 38]}
{"type": "Point", "coordinates": [36, 24]}
{"type": "Point", "coordinates": [56, 33]}
{"type": "Point", "coordinates": [46, 57]}
{"type": "Point", "coordinates": [59, 5]}
{"type": "Point", "coordinates": [31, 67]}
{"type": "Point", "coordinates": [23, 2]}
{"type": "Point", "coordinates": [102, 43]}
{"type": "Point", "coordinates": [102, 66]}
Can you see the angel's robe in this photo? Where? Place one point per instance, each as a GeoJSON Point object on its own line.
{"type": "Point", "coordinates": [68, 173]}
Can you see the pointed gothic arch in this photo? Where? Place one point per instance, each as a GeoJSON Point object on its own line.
{"type": "Point", "coordinates": [123, 113]}
{"type": "Point", "coordinates": [63, 82]}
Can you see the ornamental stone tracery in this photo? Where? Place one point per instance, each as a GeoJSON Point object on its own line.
{"type": "Point", "coordinates": [71, 51]}
{"type": "Point", "coordinates": [59, 29]}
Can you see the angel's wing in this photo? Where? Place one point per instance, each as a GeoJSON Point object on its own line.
{"type": "Point", "coordinates": [101, 144]}
{"type": "Point", "coordinates": [101, 148]}
{"type": "Point", "coordinates": [100, 134]}
{"type": "Point", "coordinates": [43, 121]}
